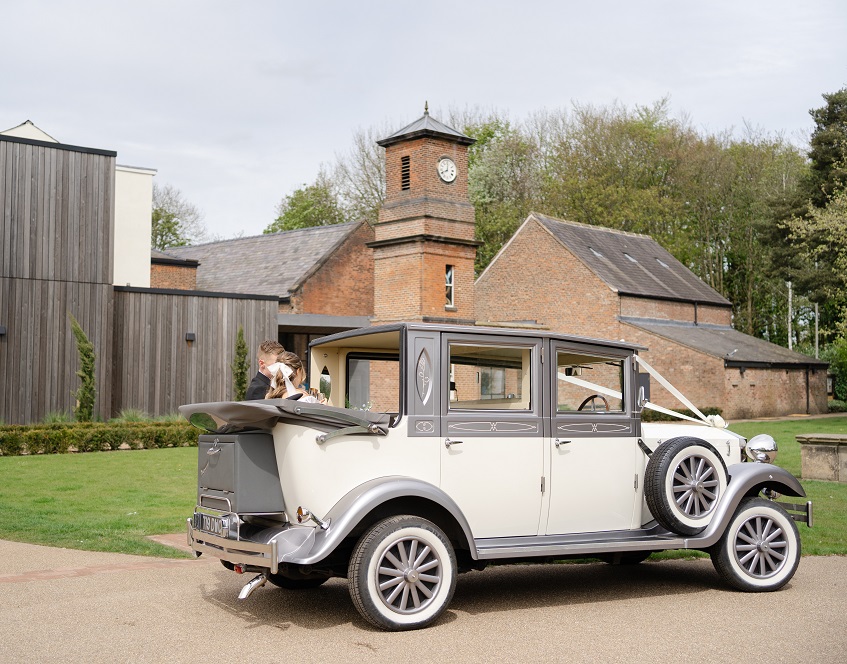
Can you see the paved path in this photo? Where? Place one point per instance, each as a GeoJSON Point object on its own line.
{"type": "Point", "coordinates": [59, 605]}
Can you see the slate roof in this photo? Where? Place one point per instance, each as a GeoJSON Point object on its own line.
{"type": "Point", "coordinates": [723, 341]}
{"type": "Point", "coordinates": [426, 125]}
{"type": "Point", "coordinates": [271, 264]}
{"type": "Point", "coordinates": [630, 263]}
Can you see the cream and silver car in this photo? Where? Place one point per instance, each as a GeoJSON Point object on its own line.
{"type": "Point", "coordinates": [443, 449]}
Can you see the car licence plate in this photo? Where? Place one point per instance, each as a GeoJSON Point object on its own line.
{"type": "Point", "coordinates": [214, 525]}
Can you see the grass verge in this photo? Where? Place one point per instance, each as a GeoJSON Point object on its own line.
{"type": "Point", "coordinates": [100, 501]}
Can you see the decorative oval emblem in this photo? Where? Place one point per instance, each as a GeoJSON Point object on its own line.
{"type": "Point", "coordinates": [423, 377]}
{"type": "Point", "coordinates": [424, 426]}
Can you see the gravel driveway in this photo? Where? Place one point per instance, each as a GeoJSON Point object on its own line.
{"type": "Point", "coordinates": [60, 605]}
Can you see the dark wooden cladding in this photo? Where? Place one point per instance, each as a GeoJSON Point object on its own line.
{"type": "Point", "coordinates": [38, 353]}
{"type": "Point", "coordinates": [56, 208]}
{"type": "Point", "coordinates": [156, 370]}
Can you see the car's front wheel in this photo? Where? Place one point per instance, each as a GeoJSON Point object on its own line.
{"type": "Point", "coordinates": [760, 549]}
{"type": "Point", "coordinates": [402, 573]}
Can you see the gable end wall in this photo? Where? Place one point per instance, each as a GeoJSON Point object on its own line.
{"type": "Point", "coordinates": [536, 278]}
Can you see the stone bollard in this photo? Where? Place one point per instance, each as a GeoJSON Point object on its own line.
{"type": "Point", "coordinates": [823, 456]}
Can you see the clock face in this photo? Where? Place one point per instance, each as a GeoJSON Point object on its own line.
{"type": "Point", "coordinates": [446, 169]}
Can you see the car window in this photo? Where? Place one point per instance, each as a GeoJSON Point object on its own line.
{"type": "Point", "coordinates": [489, 377]}
{"type": "Point", "coordinates": [588, 383]}
{"type": "Point", "coordinates": [373, 382]}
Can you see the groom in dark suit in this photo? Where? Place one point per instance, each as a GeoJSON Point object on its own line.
{"type": "Point", "coordinates": [268, 351]}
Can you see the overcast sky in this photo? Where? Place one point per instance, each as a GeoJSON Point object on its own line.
{"type": "Point", "coordinates": [238, 103]}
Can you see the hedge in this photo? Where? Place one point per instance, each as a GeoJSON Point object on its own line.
{"type": "Point", "coordinates": [61, 438]}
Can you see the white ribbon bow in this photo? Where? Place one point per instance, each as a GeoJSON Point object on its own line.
{"type": "Point", "coordinates": [286, 371]}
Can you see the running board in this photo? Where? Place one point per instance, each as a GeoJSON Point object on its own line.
{"type": "Point", "coordinates": [585, 544]}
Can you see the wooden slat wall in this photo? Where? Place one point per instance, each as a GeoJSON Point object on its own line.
{"type": "Point", "coordinates": [56, 227]}
{"type": "Point", "coordinates": [156, 370]}
{"type": "Point", "coordinates": [57, 210]}
{"type": "Point", "coordinates": [38, 354]}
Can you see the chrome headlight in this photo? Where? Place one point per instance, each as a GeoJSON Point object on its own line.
{"type": "Point", "coordinates": [761, 448]}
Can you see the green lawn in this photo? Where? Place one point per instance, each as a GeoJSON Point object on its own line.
{"type": "Point", "coordinates": [99, 501]}
{"type": "Point", "coordinates": [109, 501]}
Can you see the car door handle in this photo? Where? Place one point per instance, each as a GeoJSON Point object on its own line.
{"type": "Point", "coordinates": [558, 443]}
{"type": "Point", "coordinates": [448, 443]}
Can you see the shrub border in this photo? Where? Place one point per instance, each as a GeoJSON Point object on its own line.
{"type": "Point", "coordinates": [62, 438]}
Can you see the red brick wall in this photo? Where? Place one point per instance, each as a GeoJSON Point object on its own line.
{"type": "Point", "coordinates": [536, 278]}
{"type": "Point", "coordinates": [175, 277]}
{"type": "Point", "coordinates": [343, 285]}
{"type": "Point", "coordinates": [698, 376]}
{"type": "Point", "coordinates": [770, 392]}
{"type": "Point", "coordinates": [642, 307]}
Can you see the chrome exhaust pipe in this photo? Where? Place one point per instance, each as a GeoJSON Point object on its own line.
{"type": "Point", "coordinates": [256, 582]}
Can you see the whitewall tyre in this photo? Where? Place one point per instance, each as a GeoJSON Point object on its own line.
{"type": "Point", "coordinates": [402, 573]}
{"type": "Point", "coordinates": [760, 549]}
{"type": "Point", "coordinates": [683, 484]}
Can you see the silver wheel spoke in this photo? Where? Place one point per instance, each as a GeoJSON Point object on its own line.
{"type": "Point", "coordinates": [753, 552]}
{"type": "Point", "coordinates": [775, 533]}
{"type": "Point", "coordinates": [413, 591]}
{"type": "Point", "coordinates": [419, 560]}
{"type": "Point", "coordinates": [393, 559]}
{"type": "Point", "coordinates": [429, 578]}
{"type": "Point", "coordinates": [403, 557]}
{"type": "Point", "coordinates": [391, 583]}
{"type": "Point", "coordinates": [404, 600]}
{"type": "Point", "coordinates": [426, 591]}
{"type": "Point", "coordinates": [396, 591]}
{"type": "Point", "coordinates": [390, 571]}
{"type": "Point", "coordinates": [428, 566]}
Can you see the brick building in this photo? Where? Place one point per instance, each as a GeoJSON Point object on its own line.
{"type": "Point", "coordinates": [322, 277]}
{"type": "Point", "coordinates": [416, 264]}
{"type": "Point", "coordinates": [600, 282]}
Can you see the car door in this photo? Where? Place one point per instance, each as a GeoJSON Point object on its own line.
{"type": "Point", "coordinates": [492, 455]}
{"type": "Point", "coordinates": [594, 447]}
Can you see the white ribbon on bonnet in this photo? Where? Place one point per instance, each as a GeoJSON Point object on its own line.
{"type": "Point", "coordinates": [286, 373]}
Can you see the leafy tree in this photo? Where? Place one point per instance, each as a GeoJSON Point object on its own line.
{"type": "Point", "coordinates": [828, 149]}
{"type": "Point", "coordinates": [176, 222]}
{"type": "Point", "coordinates": [87, 392]}
{"type": "Point", "coordinates": [359, 175]}
{"type": "Point", "coordinates": [240, 366]}
{"type": "Point", "coordinates": [822, 237]}
{"type": "Point", "coordinates": [311, 205]}
{"type": "Point", "coordinates": [836, 355]}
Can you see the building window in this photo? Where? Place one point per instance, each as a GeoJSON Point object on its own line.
{"type": "Point", "coordinates": [405, 173]}
{"type": "Point", "coordinates": [448, 286]}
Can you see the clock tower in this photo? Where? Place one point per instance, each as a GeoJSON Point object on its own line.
{"type": "Point", "coordinates": [424, 246]}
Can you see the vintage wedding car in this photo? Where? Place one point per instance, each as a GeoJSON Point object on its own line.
{"type": "Point", "coordinates": [445, 448]}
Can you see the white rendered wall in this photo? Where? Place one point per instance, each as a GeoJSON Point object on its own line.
{"type": "Point", "coordinates": [133, 219]}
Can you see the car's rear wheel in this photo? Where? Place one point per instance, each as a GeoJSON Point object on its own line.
{"type": "Point", "coordinates": [760, 549]}
{"type": "Point", "coordinates": [683, 483]}
{"type": "Point", "coordinates": [402, 573]}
